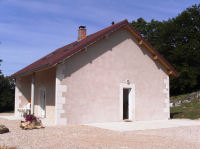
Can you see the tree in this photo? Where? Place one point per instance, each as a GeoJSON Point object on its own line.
{"type": "Point", "coordinates": [178, 40]}
{"type": "Point", "coordinates": [6, 93]}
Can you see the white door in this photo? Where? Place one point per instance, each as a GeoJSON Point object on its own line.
{"type": "Point", "coordinates": [42, 104]}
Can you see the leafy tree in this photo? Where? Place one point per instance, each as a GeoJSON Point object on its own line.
{"type": "Point", "coordinates": [6, 93]}
{"type": "Point", "coordinates": [178, 40]}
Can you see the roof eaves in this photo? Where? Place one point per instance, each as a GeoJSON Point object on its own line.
{"type": "Point", "coordinates": [160, 57]}
{"type": "Point", "coordinates": [30, 71]}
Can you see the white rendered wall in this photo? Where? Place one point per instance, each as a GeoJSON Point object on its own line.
{"type": "Point", "coordinates": [60, 99]}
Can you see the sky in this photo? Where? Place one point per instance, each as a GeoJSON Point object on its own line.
{"type": "Point", "coordinates": [30, 29]}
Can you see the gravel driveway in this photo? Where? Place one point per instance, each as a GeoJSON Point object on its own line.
{"type": "Point", "coordinates": [87, 137]}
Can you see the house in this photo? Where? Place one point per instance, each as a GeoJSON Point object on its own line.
{"type": "Point", "coordinates": [111, 75]}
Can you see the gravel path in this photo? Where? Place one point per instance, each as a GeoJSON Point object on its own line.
{"type": "Point", "coordinates": [86, 137]}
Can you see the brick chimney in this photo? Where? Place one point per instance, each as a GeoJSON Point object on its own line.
{"type": "Point", "coordinates": [81, 32]}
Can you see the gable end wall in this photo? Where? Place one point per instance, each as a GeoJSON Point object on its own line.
{"type": "Point", "coordinates": [88, 83]}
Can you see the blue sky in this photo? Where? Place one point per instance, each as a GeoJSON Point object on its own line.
{"type": "Point", "coordinates": [30, 29]}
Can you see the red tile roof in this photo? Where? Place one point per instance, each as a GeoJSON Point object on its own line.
{"type": "Point", "coordinates": [67, 51]}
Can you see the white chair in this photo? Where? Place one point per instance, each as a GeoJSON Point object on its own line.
{"type": "Point", "coordinates": [25, 109]}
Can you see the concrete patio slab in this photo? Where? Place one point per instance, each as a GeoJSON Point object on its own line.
{"type": "Point", "coordinates": [145, 125]}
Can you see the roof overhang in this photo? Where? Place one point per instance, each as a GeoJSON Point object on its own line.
{"type": "Point", "coordinates": [155, 54]}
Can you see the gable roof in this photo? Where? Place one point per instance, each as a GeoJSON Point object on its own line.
{"type": "Point", "coordinates": [61, 54]}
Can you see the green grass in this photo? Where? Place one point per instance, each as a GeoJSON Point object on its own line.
{"type": "Point", "coordinates": [188, 110]}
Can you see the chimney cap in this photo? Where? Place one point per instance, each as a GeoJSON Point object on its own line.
{"type": "Point", "coordinates": [82, 27]}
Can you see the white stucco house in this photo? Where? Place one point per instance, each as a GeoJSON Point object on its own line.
{"type": "Point", "coordinates": [111, 75]}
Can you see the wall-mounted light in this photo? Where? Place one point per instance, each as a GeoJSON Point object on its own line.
{"type": "Point", "coordinates": [128, 82]}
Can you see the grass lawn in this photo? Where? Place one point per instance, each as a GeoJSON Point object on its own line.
{"type": "Point", "coordinates": [188, 110]}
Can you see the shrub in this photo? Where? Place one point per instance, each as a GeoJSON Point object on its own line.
{"type": "Point", "coordinates": [30, 117]}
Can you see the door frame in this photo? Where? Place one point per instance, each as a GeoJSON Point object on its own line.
{"type": "Point", "coordinates": [39, 103]}
{"type": "Point", "coordinates": [131, 101]}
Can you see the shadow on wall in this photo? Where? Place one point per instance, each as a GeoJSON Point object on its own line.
{"type": "Point", "coordinates": [44, 79]}
{"type": "Point", "coordinates": [24, 87]}
{"type": "Point", "coordinates": [104, 45]}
